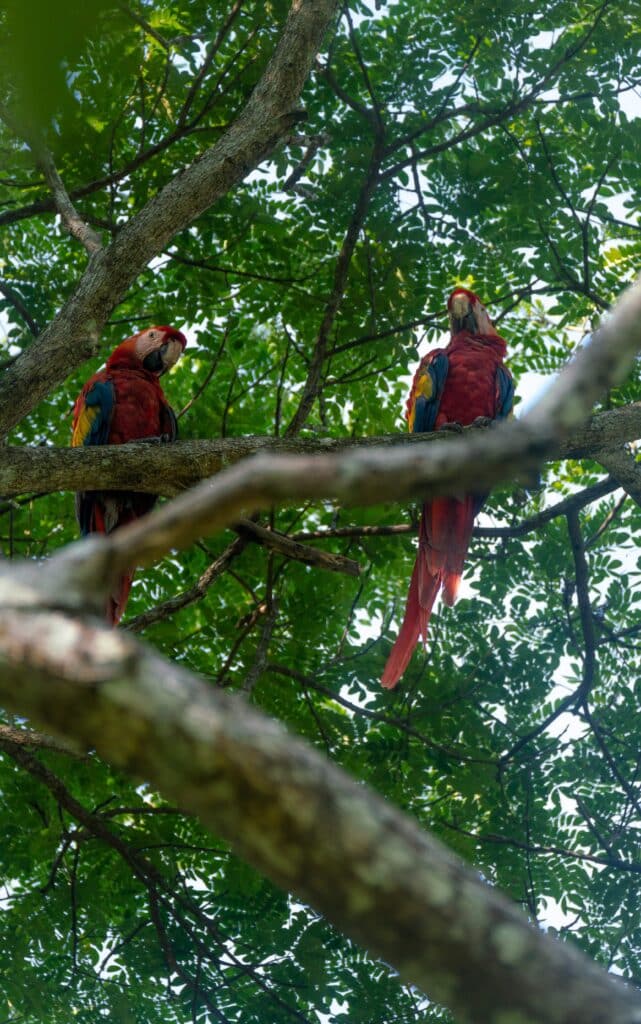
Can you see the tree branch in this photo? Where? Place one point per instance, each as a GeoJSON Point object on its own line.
{"type": "Point", "coordinates": [286, 810]}
{"type": "Point", "coordinates": [176, 901]}
{"type": "Point", "coordinates": [474, 462]}
{"type": "Point", "coordinates": [341, 272]}
{"type": "Point", "coordinates": [560, 508]}
{"type": "Point", "coordinates": [300, 820]}
{"type": "Point", "coordinates": [70, 217]}
{"type": "Point", "coordinates": [490, 117]}
{"type": "Point", "coordinates": [290, 548]}
{"type": "Point", "coordinates": [585, 608]}
{"type": "Point", "coordinates": [30, 739]}
{"type": "Point", "coordinates": [12, 296]}
{"type": "Point", "coordinates": [174, 604]}
{"type": "Point", "coordinates": [610, 861]}
{"type": "Point", "coordinates": [623, 467]}
{"type": "Point", "coordinates": [168, 469]}
{"type": "Point", "coordinates": [365, 476]}
{"type": "Point", "coordinates": [450, 753]}
{"type": "Point", "coordinates": [144, 25]}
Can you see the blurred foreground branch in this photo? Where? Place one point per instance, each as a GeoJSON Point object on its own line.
{"type": "Point", "coordinates": [297, 818]}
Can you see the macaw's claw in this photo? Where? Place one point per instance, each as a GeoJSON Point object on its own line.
{"type": "Point", "coordinates": [454, 428]}
{"type": "Point", "coordinates": [156, 439]}
{"type": "Point", "coordinates": [483, 421]}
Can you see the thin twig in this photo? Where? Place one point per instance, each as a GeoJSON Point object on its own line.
{"type": "Point", "coordinates": [290, 548]}
{"type": "Point", "coordinates": [585, 608]}
{"type": "Point", "coordinates": [70, 217]}
{"type": "Point", "coordinates": [260, 657]}
{"type": "Point", "coordinates": [12, 296]}
{"type": "Point", "coordinates": [377, 716]}
{"type": "Point", "coordinates": [559, 851]}
{"type": "Point", "coordinates": [314, 374]}
{"type": "Point", "coordinates": [613, 514]}
{"type": "Point", "coordinates": [208, 377]}
{"type": "Point", "coordinates": [212, 50]}
{"type": "Point", "coordinates": [195, 593]}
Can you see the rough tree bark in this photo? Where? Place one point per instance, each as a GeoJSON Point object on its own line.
{"type": "Point", "coordinates": [296, 817]}
{"type": "Point", "coordinates": [168, 469]}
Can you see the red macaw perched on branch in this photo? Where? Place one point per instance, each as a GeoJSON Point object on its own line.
{"type": "Point", "coordinates": [460, 384]}
{"type": "Point", "coordinates": [125, 402]}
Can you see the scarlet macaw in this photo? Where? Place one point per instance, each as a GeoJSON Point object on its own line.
{"type": "Point", "coordinates": [125, 402]}
{"type": "Point", "coordinates": [459, 384]}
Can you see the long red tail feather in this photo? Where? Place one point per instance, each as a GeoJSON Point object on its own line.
{"type": "Point", "coordinates": [407, 638]}
{"type": "Point", "coordinates": [117, 600]}
{"type": "Point", "coordinates": [444, 537]}
{"type": "Point", "coordinates": [422, 593]}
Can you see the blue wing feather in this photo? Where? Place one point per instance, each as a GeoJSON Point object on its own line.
{"type": "Point", "coordinates": [505, 393]}
{"type": "Point", "coordinates": [99, 405]}
{"type": "Point", "coordinates": [91, 426]}
{"type": "Point", "coordinates": [426, 408]}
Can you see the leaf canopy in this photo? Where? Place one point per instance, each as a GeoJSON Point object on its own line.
{"type": "Point", "coordinates": [502, 149]}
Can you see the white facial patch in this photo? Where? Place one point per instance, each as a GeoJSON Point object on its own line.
{"type": "Point", "coordinates": [148, 342]}
{"type": "Point", "coordinates": [484, 324]}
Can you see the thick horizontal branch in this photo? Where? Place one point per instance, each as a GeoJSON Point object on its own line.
{"type": "Point", "coordinates": [167, 469]}
{"type": "Point", "coordinates": [298, 819]}
{"type": "Point", "coordinates": [267, 118]}
{"type": "Point", "coordinates": [359, 476]}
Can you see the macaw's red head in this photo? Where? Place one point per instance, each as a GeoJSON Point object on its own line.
{"type": "Point", "coordinates": [156, 350]}
{"type": "Point", "coordinates": [467, 313]}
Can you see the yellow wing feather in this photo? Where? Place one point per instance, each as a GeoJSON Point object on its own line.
{"type": "Point", "coordinates": [423, 388]}
{"type": "Point", "coordinates": [84, 422]}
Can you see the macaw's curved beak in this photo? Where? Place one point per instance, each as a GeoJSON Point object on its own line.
{"type": "Point", "coordinates": [163, 358]}
{"type": "Point", "coordinates": [171, 352]}
{"type": "Point", "coordinates": [461, 315]}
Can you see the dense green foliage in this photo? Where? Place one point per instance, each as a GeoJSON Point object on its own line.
{"type": "Point", "coordinates": [502, 151]}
